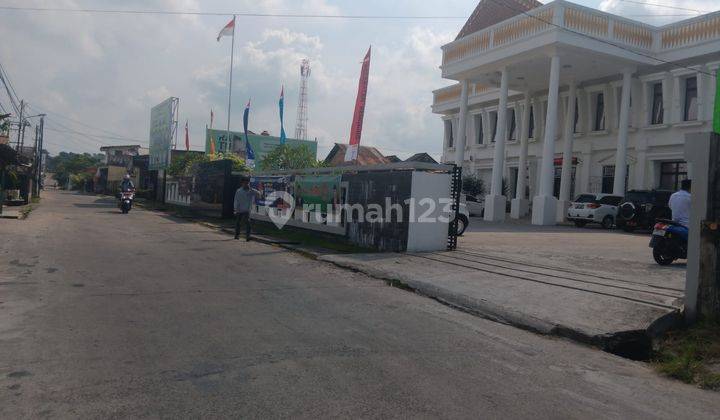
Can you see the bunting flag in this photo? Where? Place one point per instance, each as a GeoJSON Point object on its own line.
{"type": "Point", "coordinates": [228, 30]}
{"type": "Point", "coordinates": [187, 136]}
{"type": "Point", "coordinates": [283, 137]}
{"type": "Point", "coordinates": [716, 112]}
{"type": "Point", "coordinates": [249, 152]}
{"type": "Point", "coordinates": [356, 131]}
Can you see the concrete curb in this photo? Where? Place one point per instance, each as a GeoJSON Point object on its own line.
{"type": "Point", "coordinates": [631, 344]}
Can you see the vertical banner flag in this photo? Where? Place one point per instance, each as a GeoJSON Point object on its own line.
{"type": "Point", "coordinates": [249, 153]}
{"type": "Point", "coordinates": [716, 112]}
{"type": "Point", "coordinates": [212, 118]}
{"type": "Point", "coordinates": [357, 124]}
{"type": "Point", "coordinates": [283, 137]}
{"type": "Point", "coordinates": [187, 136]}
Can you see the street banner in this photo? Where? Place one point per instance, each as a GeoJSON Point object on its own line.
{"type": "Point", "coordinates": [267, 185]}
{"type": "Point", "coordinates": [187, 136]}
{"type": "Point", "coordinates": [357, 124]}
{"type": "Point", "coordinates": [249, 153]}
{"type": "Point", "coordinates": [283, 137]}
{"type": "Point", "coordinates": [716, 112]}
{"type": "Point", "coordinates": [317, 190]}
{"type": "Point", "coordinates": [161, 133]}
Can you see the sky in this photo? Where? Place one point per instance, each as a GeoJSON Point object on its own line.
{"type": "Point", "coordinates": [98, 75]}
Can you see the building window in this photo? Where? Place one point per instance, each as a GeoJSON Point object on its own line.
{"type": "Point", "coordinates": [608, 179]}
{"type": "Point", "coordinates": [691, 99]}
{"type": "Point", "coordinates": [599, 121]}
{"type": "Point", "coordinates": [671, 174]}
{"type": "Point", "coordinates": [531, 128]}
{"type": "Point", "coordinates": [657, 104]}
{"type": "Point", "coordinates": [493, 121]}
{"type": "Point", "coordinates": [449, 133]}
{"type": "Point", "coordinates": [478, 128]}
{"type": "Point", "coordinates": [511, 115]}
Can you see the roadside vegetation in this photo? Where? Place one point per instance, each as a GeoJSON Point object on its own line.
{"type": "Point", "coordinates": [286, 157]}
{"type": "Point", "coordinates": [692, 355]}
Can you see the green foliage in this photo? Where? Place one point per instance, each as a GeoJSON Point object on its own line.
{"type": "Point", "coordinates": [66, 164]}
{"type": "Point", "coordinates": [287, 157]}
{"type": "Point", "coordinates": [186, 164]}
{"type": "Point", "coordinates": [473, 185]}
{"type": "Point", "coordinates": [692, 355]}
{"type": "Point", "coordinates": [79, 181]}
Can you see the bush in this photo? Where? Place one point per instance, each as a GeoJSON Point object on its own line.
{"type": "Point", "coordinates": [472, 185]}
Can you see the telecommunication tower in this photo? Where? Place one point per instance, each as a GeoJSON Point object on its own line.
{"type": "Point", "coordinates": [302, 111]}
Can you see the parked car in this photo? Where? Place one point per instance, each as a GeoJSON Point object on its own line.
{"type": "Point", "coordinates": [594, 208]}
{"type": "Point", "coordinates": [641, 208]}
{"type": "Point", "coordinates": [475, 205]}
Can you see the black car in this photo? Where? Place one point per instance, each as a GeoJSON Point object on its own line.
{"type": "Point", "coordinates": [641, 209]}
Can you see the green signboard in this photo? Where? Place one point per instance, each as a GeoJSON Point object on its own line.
{"type": "Point", "coordinates": [317, 190]}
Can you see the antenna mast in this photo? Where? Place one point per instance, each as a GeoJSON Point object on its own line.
{"type": "Point", "coordinates": [302, 111]}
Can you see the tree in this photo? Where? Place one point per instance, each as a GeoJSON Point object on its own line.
{"type": "Point", "coordinates": [66, 164]}
{"type": "Point", "coordinates": [287, 157]}
{"type": "Point", "coordinates": [473, 185]}
{"type": "Point", "coordinates": [186, 164]}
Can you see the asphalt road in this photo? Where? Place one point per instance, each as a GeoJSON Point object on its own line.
{"type": "Point", "coordinates": [104, 315]}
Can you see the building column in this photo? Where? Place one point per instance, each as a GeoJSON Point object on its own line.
{"type": "Point", "coordinates": [567, 162]}
{"type": "Point", "coordinates": [621, 153]}
{"type": "Point", "coordinates": [520, 206]}
{"type": "Point", "coordinates": [496, 202]}
{"type": "Point", "coordinates": [461, 140]}
{"type": "Point", "coordinates": [545, 204]}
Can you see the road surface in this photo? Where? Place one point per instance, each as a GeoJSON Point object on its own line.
{"type": "Point", "coordinates": [104, 315]}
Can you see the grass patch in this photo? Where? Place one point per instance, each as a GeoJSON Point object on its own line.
{"type": "Point", "coordinates": [308, 238]}
{"type": "Point", "coordinates": [691, 355]}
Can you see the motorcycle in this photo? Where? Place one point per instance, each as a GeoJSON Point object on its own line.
{"type": "Point", "coordinates": [126, 201]}
{"type": "Point", "coordinates": [669, 242]}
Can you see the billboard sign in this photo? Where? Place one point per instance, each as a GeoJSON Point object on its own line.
{"type": "Point", "coordinates": [161, 133]}
{"type": "Point", "coordinates": [267, 185]}
{"type": "Point", "coordinates": [321, 190]}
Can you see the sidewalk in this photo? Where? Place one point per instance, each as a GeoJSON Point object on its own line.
{"type": "Point", "coordinates": [617, 315]}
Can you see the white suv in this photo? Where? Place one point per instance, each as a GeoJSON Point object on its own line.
{"type": "Point", "coordinates": [594, 208]}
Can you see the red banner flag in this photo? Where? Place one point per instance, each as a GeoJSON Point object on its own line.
{"type": "Point", "coordinates": [357, 124]}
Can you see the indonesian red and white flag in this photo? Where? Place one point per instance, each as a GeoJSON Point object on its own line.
{"type": "Point", "coordinates": [228, 30]}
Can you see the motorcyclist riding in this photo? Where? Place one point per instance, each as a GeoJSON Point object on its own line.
{"type": "Point", "coordinates": [680, 203]}
{"type": "Point", "coordinates": [127, 184]}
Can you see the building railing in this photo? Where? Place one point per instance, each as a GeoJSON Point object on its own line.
{"type": "Point", "coordinates": [452, 93]}
{"type": "Point", "coordinates": [585, 21]}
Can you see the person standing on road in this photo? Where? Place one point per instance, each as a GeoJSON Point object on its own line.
{"type": "Point", "coordinates": [244, 199]}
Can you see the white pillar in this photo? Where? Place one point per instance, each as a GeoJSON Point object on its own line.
{"type": "Point", "coordinates": [567, 165]}
{"type": "Point", "coordinates": [495, 203]}
{"type": "Point", "coordinates": [462, 125]}
{"type": "Point", "coordinates": [545, 205]}
{"type": "Point", "coordinates": [521, 205]}
{"type": "Point", "coordinates": [621, 153]}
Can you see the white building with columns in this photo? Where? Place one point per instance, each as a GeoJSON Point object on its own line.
{"type": "Point", "coordinates": [559, 99]}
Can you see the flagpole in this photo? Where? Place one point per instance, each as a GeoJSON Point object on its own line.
{"type": "Point", "coordinates": [228, 140]}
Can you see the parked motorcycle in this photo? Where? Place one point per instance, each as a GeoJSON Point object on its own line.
{"type": "Point", "coordinates": [669, 242]}
{"type": "Point", "coordinates": [126, 201]}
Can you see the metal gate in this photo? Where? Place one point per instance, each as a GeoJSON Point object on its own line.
{"type": "Point", "coordinates": [455, 189]}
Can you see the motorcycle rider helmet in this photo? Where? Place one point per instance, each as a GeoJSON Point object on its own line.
{"type": "Point", "coordinates": [127, 176]}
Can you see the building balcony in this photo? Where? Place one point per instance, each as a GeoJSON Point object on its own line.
{"type": "Point", "coordinates": [575, 31]}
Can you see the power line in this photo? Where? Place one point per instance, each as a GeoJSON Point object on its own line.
{"type": "Point", "coordinates": [230, 13]}
{"type": "Point", "coordinates": [59, 115]}
{"type": "Point", "coordinates": [665, 6]}
{"type": "Point", "coordinates": [659, 60]}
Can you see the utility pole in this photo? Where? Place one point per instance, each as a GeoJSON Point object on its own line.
{"type": "Point", "coordinates": [20, 125]}
{"type": "Point", "coordinates": [40, 150]}
{"type": "Point", "coordinates": [36, 165]}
